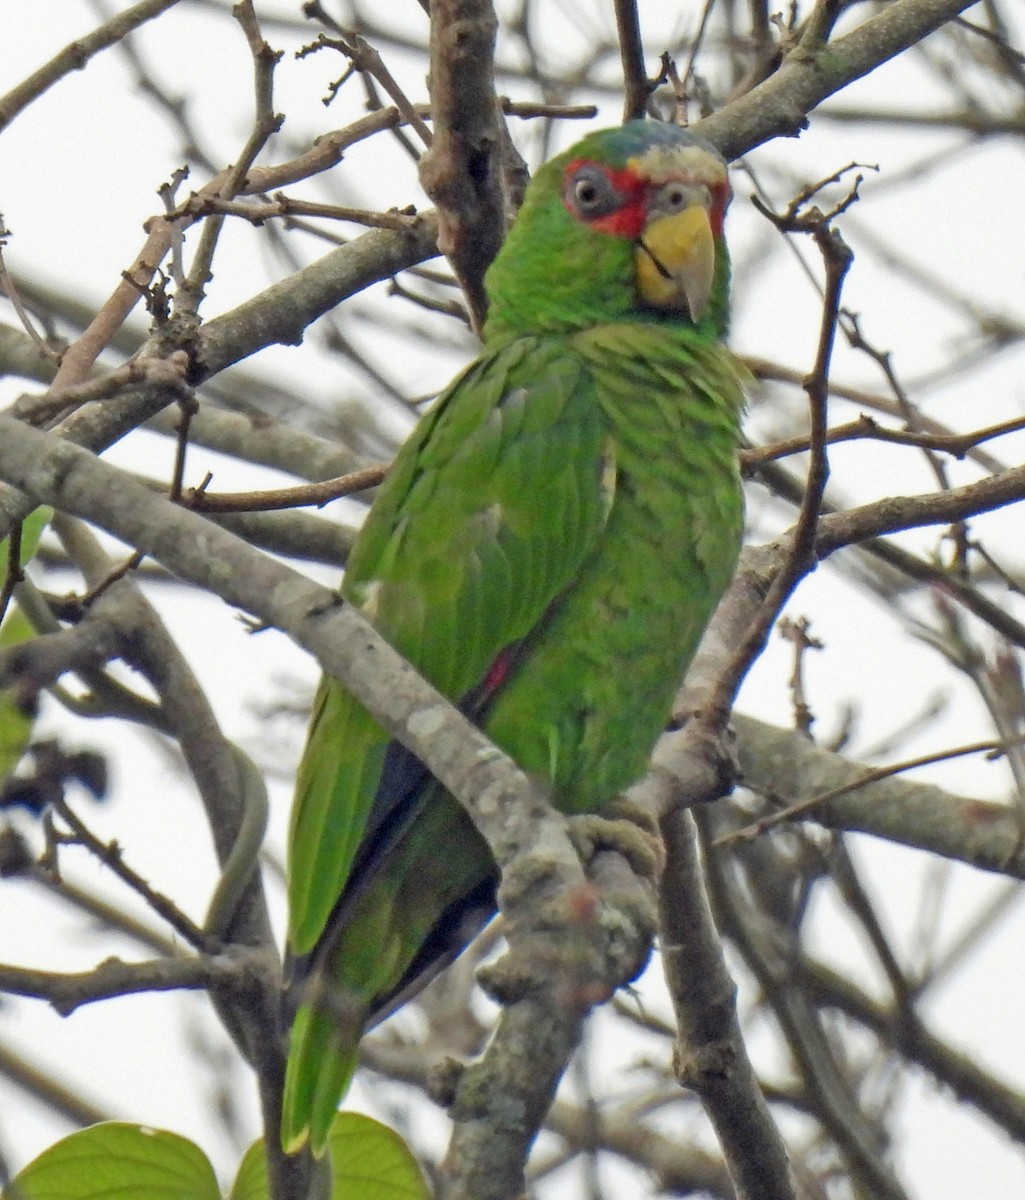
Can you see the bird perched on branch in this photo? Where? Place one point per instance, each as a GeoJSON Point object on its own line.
{"type": "Point", "coordinates": [546, 551]}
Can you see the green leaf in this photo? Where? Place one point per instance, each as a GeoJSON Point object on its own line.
{"type": "Point", "coordinates": [251, 1180]}
{"type": "Point", "coordinates": [15, 722]}
{"type": "Point", "coordinates": [31, 531]}
{"type": "Point", "coordinates": [117, 1161]}
{"type": "Point", "coordinates": [369, 1161]}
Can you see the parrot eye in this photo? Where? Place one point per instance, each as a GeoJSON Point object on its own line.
{"type": "Point", "coordinates": [590, 193]}
{"type": "Point", "coordinates": [674, 197]}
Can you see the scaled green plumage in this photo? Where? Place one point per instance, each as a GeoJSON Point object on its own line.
{"type": "Point", "coordinates": [546, 550]}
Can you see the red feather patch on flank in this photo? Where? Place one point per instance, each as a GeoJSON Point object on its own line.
{"type": "Point", "coordinates": [497, 672]}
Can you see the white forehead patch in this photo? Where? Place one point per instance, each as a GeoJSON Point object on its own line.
{"type": "Point", "coordinates": [662, 163]}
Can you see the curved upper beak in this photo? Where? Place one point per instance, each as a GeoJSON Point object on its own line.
{"type": "Point", "coordinates": [675, 261]}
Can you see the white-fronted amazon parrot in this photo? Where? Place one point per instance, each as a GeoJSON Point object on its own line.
{"type": "Point", "coordinates": [546, 550]}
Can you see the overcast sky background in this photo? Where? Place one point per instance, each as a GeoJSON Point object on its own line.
{"type": "Point", "coordinates": [78, 177]}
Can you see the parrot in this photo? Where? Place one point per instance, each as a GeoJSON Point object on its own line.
{"type": "Point", "coordinates": [546, 550]}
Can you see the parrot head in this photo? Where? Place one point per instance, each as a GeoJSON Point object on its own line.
{"type": "Point", "coordinates": [626, 225]}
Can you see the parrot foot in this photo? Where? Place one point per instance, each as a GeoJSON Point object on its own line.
{"type": "Point", "coordinates": [624, 828]}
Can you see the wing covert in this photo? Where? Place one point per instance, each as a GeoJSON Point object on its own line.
{"type": "Point", "coordinates": [492, 505]}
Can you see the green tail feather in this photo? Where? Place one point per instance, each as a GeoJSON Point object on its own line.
{"type": "Point", "coordinates": [325, 1052]}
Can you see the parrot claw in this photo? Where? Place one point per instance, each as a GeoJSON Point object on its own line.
{"type": "Point", "coordinates": [624, 828]}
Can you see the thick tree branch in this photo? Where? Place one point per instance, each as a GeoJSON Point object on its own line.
{"type": "Point", "coordinates": [22, 356]}
{"type": "Point", "coordinates": [49, 1089]}
{"type": "Point", "coordinates": [783, 766]}
{"type": "Point", "coordinates": [236, 811]}
{"type": "Point", "coordinates": [556, 970]}
{"type": "Point", "coordinates": [261, 439]}
{"type": "Point", "coordinates": [779, 106]}
{"type": "Point", "coordinates": [676, 1167]}
{"type": "Point", "coordinates": [710, 1055]}
{"type": "Point", "coordinates": [97, 425]}
{"type": "Point", "coordinates": [832, 1090]}
{"type": "Point", "coordinates": [194, 549]}
{"type": "Point", "coordinates": [718, 667]}
{"type": "Point", "coordinates": [461, 172]}
{"type": "Point", "coordinates": [281, 313]}
{"type": "Point", "coordinates": [954, 1069]}
{"type": "Point", "coordinates": [636, 89]}
{"type": "Point", "coordinates": [892, 514]}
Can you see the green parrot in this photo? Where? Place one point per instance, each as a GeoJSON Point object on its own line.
{"type": "Point", "coordinates": [546, 551]}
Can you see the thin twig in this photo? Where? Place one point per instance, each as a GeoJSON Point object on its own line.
{"type": "Point", "coordinates": [802, 808]}
{"type": "Point", "coordinates": [636, 89]}
{"type": "Point", "coordinates": [9, 289]}
{"type": "Point", "coordinates": [236, 972]}
{"type": "Point", "coordinates": [112, 856]}
{"type": "Point", "coordinates": [266, 123]}
{"type": "Point", "coordinates": [76, 54]}
{"type": "Point", "coordinates": [802, 549]}
{"type": "Point", "coordinates": [957, 445]}
{"type": "Point", "coordinates": [303, 495]}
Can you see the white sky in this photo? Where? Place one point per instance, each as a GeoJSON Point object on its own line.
{"type": "Point", "coordinates": [78, 173]}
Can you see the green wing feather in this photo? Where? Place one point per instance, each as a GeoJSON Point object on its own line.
{"type": "Point", "coordinates": [485, 518]}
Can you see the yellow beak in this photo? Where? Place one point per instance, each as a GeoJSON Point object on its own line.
{"type": "Point", "coordinates": [675, 261]}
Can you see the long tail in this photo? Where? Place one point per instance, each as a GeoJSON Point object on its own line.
{"type": "Point", "coordinates": [321, 1062]}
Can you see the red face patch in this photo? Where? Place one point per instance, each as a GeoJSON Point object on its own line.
{"type": "Point", "coordinates": [722, 194]}
{"type": "Point", "coordinates": [614, 200]}
{"type": "Point", "coordinates": [605, 198]}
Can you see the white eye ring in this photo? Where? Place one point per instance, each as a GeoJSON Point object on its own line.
{"type": "Point", "coordinates": [591, 194]}
{"type": "Point", "coordinates": [675, 197]}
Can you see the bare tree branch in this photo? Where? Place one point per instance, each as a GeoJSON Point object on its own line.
{"type": "Point", "coordinates": [710, 1055]}
{"type": "Point", "coordinates": [461, 171]}
{"type": "Point", "coordinates": [982, 834]}
{"type": "Point", "coordinates": [75, 56]}
{"type": "Point", "coordinates": [779, 107]}
{"type": "Point", "coordinates": [234, 971]}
